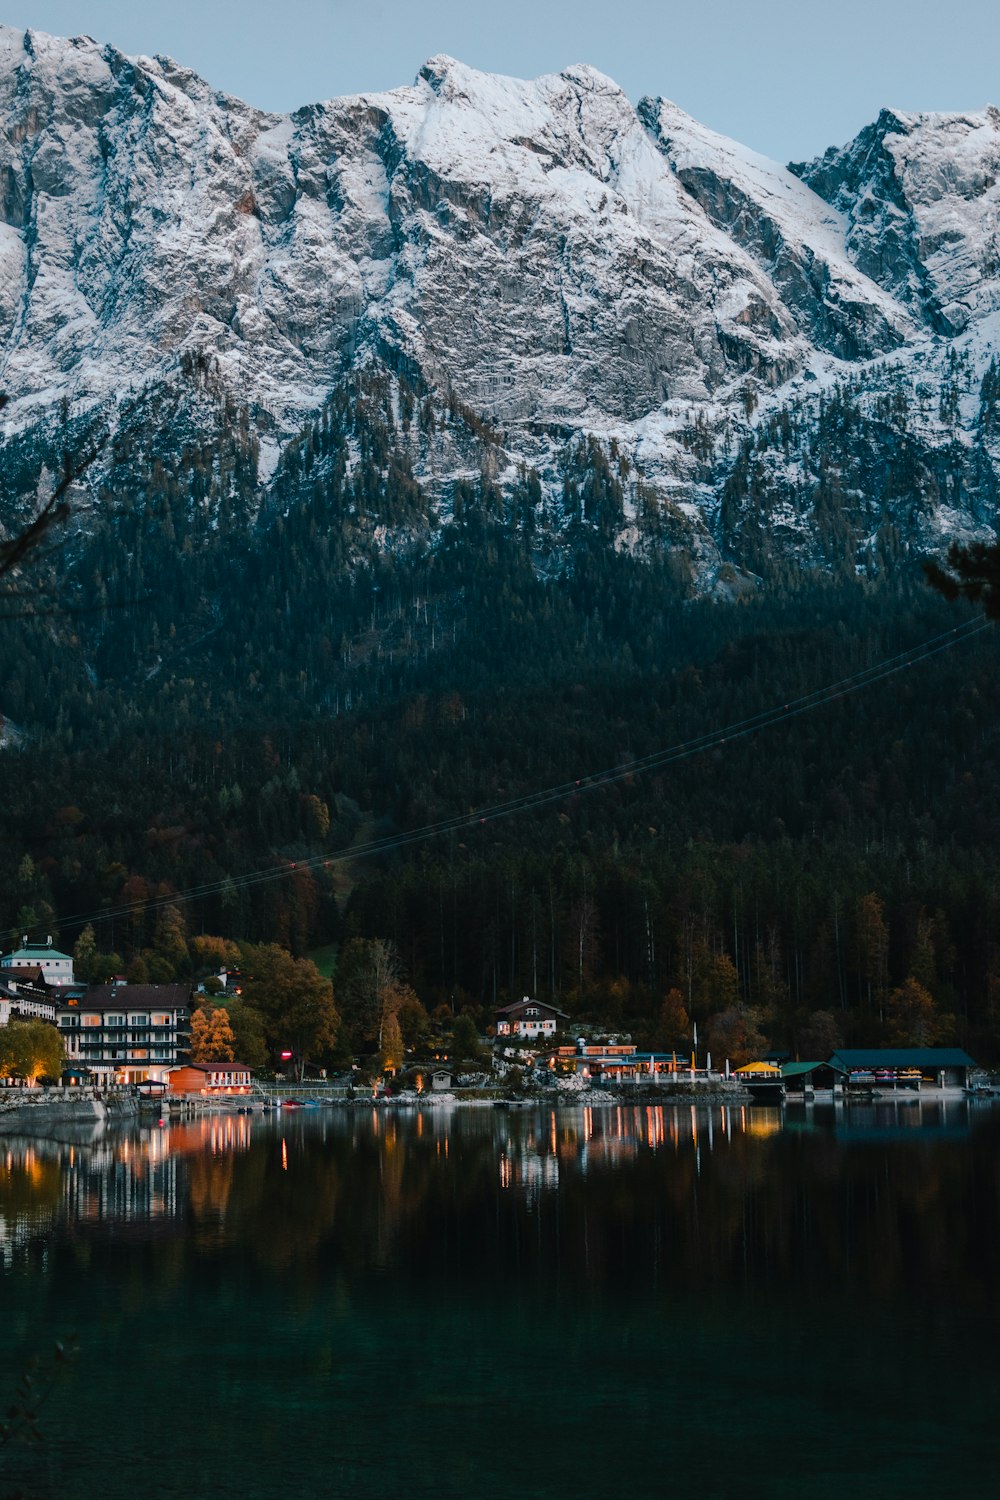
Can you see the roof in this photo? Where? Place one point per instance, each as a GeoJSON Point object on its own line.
{"type": "Point", "coordinates": [136, 996]}
{"type": "Point", "coordinates": [797, 1069]}
{"type": "Point", "coordinates": [32, 952]}
{"type": "Point", "coordinates": [862, 1058]}
{"type": "Point", "coordinates": [505, 1010]}
{"type": "Point", "coordinates": [768, 1069]}
{"type": "Point", "coordinates": [214, 1067]}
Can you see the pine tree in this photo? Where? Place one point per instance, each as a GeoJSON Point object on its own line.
{"type": "Point", "coordinates": [85, 956]}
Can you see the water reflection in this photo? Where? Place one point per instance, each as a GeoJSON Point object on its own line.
{"type": "Point", "coordinates": [724, 1280]}
{"type": "Point", "coordinates": [191, 1173]}
{"type": "Point", "coordinates": [102, 1177]}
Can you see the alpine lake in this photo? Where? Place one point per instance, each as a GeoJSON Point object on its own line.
{"type": "Point", "coordinates": [626, 1301]}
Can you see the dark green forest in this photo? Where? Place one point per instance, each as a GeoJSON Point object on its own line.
{"type": "Point", "coordinates": [202, 677]}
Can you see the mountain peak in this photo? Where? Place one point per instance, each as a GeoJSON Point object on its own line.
{"type": "Point", "coordinates": [542, 253]}
{"type": "Point", "coordinates": [443, 73]}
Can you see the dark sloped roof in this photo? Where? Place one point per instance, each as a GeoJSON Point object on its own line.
{"type": "Point", "coordinates": [506, 1010]}
{"type": "Point", "coordinates": [136, 996]}
{"type": "Point", "coordinates": [902, 1057]}
{"type": "Point", "coordinates": [797, 1069]}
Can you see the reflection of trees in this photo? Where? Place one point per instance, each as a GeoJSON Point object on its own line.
{"type": "Point", "coordinates": [210, 1180]}
{"type": "Point", "coordinates": [30, 1191]}
{"type": "Point", "coordinates": [666, 1196]}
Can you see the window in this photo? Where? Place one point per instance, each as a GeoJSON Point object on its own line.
{"type": "Point", "coordinates": [90, 1020]}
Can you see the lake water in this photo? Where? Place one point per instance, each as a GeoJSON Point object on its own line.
{"type": "Point", "coordinates": [486, 1303]}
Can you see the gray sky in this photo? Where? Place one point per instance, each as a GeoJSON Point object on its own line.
{"type": "Point", "coordinates": [788, 77]}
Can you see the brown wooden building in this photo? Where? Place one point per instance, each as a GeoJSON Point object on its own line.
{"type": "Point", "coordinates": [209, 1078]}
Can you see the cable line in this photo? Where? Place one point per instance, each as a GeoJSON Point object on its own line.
{"type": "Point", "coordinates": [494, 812]}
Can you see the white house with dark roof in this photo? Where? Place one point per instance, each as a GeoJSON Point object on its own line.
{"type": "Point", "coordinates": [56, 968]}
{"type": "Point", "coordinates": [530, 1018]}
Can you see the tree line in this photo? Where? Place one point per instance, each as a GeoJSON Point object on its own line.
{"type": "Point", "coordinates": [249, 686]}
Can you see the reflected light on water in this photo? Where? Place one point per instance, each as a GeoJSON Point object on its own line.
{"type": "Point", "coordinates": [187, 1169]}
{"type": "Point", "coordinates": [658, 1280]}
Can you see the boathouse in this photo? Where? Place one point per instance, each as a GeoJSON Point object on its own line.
{"type": "Point", "coordinates": [807, 1077]}
{"type": "Point", "coordinates": [905, 1067]}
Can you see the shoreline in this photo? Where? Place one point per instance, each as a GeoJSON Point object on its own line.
{"type": "Point", "coordinates": [46, 1115]}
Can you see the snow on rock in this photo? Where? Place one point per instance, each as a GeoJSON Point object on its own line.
{"type": "Point", "coordinates": [559, 260]}
{"type": "Point", "coordinates": [921, 199]}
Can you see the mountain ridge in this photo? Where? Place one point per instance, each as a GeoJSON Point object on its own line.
{"type": "Point", "coordinates": [563, 264]}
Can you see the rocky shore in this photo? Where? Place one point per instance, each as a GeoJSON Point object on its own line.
{"type": "Point", "coordinates": [45, 1111]}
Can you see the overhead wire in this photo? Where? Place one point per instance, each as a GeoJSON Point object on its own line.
{"type": "Point", "coordinates": [545, 796]}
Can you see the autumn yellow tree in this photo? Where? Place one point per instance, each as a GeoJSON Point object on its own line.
{"type": "Point", "coordinates": [913, 1020]}
{"type": "Point", "coordinates": [673, 1025]}
{"type": "Point", "coordinates": [735, 1034]}
{"type": "Point", "coordinates": [212, 1037]}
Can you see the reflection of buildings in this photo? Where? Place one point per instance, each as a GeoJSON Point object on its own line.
{"type": "Point", "coordinates": [539, 1153]}
{"type": "Point", "coordinates": [121, 1180]}
{"type": "Point", "coordinates": [144, 1177]}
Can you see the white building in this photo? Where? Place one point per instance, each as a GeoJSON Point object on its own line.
{"type": "Point", "coordinates": [127, 1033]}
{"type": "Point", "coordinates": [21, 1006]}
{"type": "Point", "coordinates": [56, 967]}
{"type": "Point", "coordinates": [529, 1018]}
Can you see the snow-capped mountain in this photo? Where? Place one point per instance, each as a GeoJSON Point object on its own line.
{"type": "Point", "coordinates": [549, 259]}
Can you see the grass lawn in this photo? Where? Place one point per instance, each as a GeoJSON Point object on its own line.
{"type": "Point", "coordinates": [325, 959]}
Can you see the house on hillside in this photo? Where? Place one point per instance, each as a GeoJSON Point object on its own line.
{"type": "Point", "coordinates": [56, 968]}
{"type": "Point", "coordinates": [529, 1018]}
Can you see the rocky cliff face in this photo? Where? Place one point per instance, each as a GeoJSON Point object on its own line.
{"type": "Point", "coordinates": [542, 257]}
